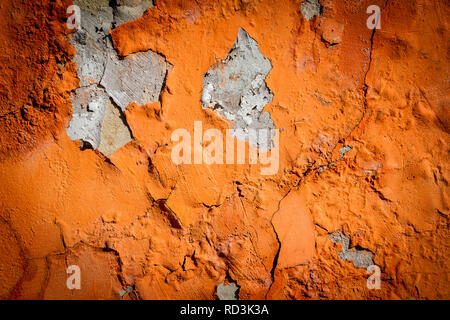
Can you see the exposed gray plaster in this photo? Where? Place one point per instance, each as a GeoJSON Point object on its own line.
{"type": "Point", "coordinates": [361, 258]}
{"type": "Point", "coordinates": [91, 44]}
{"type": "Point", "coordinates": [92, 6]}
{"type": "Point", "coordinates": [89, 105]}
{"type": "Point", "coordinates": [89, 58]}
{"type": "Point", "coordinates": [344, 150]}
{"type": "Point", "coordinates": [137, 78]}
{"type": "Point", "coordinates": [311, 8]}
{"type": "Point", "coordinates": [326, 167]}
{"type": "Point", "coordinates": [126, 291]}
{"type": "Point", "coordinates": [227, 292]}
{"type": "Point", "coordinates": [236, 89]}
{"type": "Point", "coordinates": [124, 11]}
{"type": "Point", "coordinates": [115, 132]}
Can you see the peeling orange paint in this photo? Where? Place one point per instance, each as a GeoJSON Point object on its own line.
{"type": "Point", "coordinates": [177, 231]}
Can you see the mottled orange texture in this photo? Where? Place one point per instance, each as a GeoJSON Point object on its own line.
{"type": "Point", "coordinates": [176, 231]}
{"type": "Point", "coordinates": [36, 75]}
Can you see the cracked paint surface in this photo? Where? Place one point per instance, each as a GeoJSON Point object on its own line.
{"type": "Point", "coordinates": [136, 220]}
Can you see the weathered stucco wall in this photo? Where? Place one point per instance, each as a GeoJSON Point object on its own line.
{"type": "Point", "coordinates": [87, 176]}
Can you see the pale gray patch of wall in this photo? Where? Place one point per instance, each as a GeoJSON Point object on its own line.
{"type": "Point", "coordinates": [89, 105]}
{"type": "Point", "coordinates": [311, 8]}
{"type": "Point", "coordinates": [138, 78]}
{"type": "Point", "coordinates": [236, 89]}
{"type": "Point", "coordinates": [326, 167]}
{"type": "Point", "coordinates": [92, 44]}
{"type": "Point", "coordinates": [227, 292]}
{"type": "Point", "coordinates": [115, 132]}
{"type": "Point", "coordinates": [361, 258]}
{"type": "Point", "coordinates": [128, 10]}
{"type": "Point", "coordinates": [344, 150]}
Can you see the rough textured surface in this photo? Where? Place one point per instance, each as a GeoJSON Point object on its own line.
{"type": "Point", "coordinates": [92, 6]}
{"type": "Point", "coordinates": [89, 106]}
{"type": "Point", "coordinates": [236, 89]}
{"type": "Point", "coordinates": [361, 258]}
{"type": "Point", "coordinates": [310, 9]}
{"type": "Point", "coordinates": [123, 10]}
{"type": "Point", "coordinates": [343, 150]}
{"type": "Point", "coordinates": [90, 57]}
{"type": "Point", "coordinates": [227, 291]}
{"type": "Point", "coordinates": [115, 132]}
{"type": "Point", "coordinates": [138, 78]}
{"type": "Point", "coordinates": [127, 10]}
{"type": "Point", "coordinates": [175, 232]}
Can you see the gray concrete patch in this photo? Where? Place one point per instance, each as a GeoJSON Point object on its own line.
{"type": "Point", "coordinates": [311, 8]}
{"type": "Point", "coordinates": [126, 291]}
{"type": "Point", "coordinates": [137, 78]}
{"type": "Point", "coordinates": [227, 292]}
{"type": "Point", "coordinates": [92, 5]}
{"type": "Point", "coordinates": [124, 11]}
{"type": "Point", "coordinates": [361, 258]}
{"type": "Point", "coordinates": [344, 150]}
{"type": "Point", "coordinates": [89, 105]}
{"type": "Point", "coordinates": [128, 10]}
{"type": "Point", "coordinates": [90, 58]}
{"type": "Point", "coordinates": [115, 132]}
{"type": "Point", "coordinates": [236, 89]}
{"type": "Point", "coordinates": [99, 24]}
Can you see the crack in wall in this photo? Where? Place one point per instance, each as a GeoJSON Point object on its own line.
{"type": "Point", "coordinates": [275, 259]}
{"type": "Point", "coordinates": [343, 148]}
